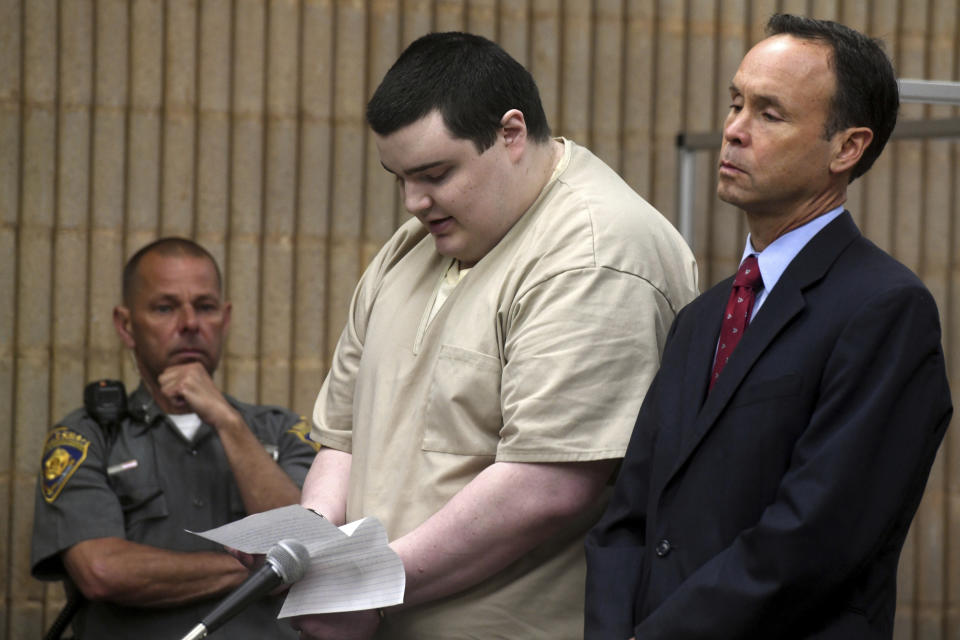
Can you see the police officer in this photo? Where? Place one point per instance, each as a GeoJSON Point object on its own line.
{"type": "Point", "coordinates": [116, 496]}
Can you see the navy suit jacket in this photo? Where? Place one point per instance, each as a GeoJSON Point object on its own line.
{"type": "Point", "coordinates": [776, 505]}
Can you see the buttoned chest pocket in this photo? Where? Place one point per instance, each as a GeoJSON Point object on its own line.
{"type": "Point", "coordinates": [141, 498]}
{"type": "Point", "coordinates": [463, 413]}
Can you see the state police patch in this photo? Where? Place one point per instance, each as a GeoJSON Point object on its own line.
{"type": "Point", "coordinates": [302, 431]}
{"type": "Point", "coordinates": [63, 452]}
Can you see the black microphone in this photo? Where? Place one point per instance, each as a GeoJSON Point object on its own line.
{"type": "Point", "coordinates": [286, 563]}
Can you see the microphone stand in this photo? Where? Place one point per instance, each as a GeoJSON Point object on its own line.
{"type": "Point", "coordinates": [286, 563]}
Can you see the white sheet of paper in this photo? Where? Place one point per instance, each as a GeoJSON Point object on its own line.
{"type": "Point", "coordinates": [352, 568]}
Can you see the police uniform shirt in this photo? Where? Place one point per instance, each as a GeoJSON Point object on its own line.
{"type": "Point", "coordinates": [150, 486]}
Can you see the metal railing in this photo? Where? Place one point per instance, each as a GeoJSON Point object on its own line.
{"type": "Point", "coordinates": [927, 91]}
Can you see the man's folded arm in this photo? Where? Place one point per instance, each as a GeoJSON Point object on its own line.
{"type": "Point", "coordinates": [132, 574]}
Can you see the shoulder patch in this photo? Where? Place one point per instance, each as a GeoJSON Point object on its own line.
{"type": "Point", "coordinates": [302, 431]}
{"type": "Point", "coordinates": [63, 452]}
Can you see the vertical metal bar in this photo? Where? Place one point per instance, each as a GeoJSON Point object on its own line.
{"type": "Point", "coordinates": [686, 163]}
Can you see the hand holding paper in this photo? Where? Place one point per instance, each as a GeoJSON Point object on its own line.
{"type": "Point", "coordinates": [351, 567]}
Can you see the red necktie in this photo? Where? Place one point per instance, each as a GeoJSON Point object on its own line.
{"type": "Point", "coordinates": [737, 316]}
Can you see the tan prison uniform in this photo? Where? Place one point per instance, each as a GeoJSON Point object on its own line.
{"type": "Point", "coordinates": [541, 353]}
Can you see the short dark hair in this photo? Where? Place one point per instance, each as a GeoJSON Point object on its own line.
{"type": "Point", "coordinates": [169, 246]}
{"type": "Point", "coordinates": [470, 80]}
{"type": "Point", "coordinates": [867, 94]}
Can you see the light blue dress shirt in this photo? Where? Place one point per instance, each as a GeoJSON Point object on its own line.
{"type": "Point", "coordinates": [775, 259]}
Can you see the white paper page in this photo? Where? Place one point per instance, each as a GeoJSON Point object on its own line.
{"type": "Point", "coordinates": [352, 568]}
{"type": "Point", "coordinates": [259, 532]}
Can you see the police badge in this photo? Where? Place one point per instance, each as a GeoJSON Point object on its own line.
{"type": "Point", "coordinates": [63, 452]}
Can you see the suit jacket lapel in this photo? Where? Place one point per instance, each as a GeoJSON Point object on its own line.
{"type": "Point", "coordinates": [783, 303]}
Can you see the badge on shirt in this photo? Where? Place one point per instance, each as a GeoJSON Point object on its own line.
{"type": "Point", "coordinates": [302, 431]}
{"type": "Point", "coordinates": [63, 453]}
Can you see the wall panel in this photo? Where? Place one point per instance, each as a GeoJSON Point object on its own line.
{"type": "Point", "coordinates": [145, 136]}
{"type": "Point", "coordinates": [638, 91]}
{"type": "Point", "coordinates": [606, 80]}
{"type": "Point", "coordinates": [71, 241]}
{"type": "Point", "coordinates": [382, 206]}
{"type": "Point", "coordinates": [33, 294]}
{"type": "Point", "coordinates": [514, 30]}
{"type": "Point", "coordinates": [241, 123]}
{"type": "Point", "coordinates": [950, 317]}
{"type": "Point", "coordinates": [314, 175]}
{"type": "Point", "coordinates": [246, 210]}
{"type": "Point", "coordinates": [349, 133]}
{"type": "Point", "coordinates": [108, 179]}
{"type": "Point", "coordinates": [576, 65]}
{"type": "Point", "coordinates": [276, 303]}
{"type": "Point", "coordinates": [671, 66]}
{"type": "Point", "coordinates": [179, 117]}
{"type": "Point", "coordinates": [11, 108]}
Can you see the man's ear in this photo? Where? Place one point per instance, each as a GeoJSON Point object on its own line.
{"type": "Point", "coordinates": [852, 143]}
{"type": "Point", "coordinates": [121, 322]}
{"type": "Point", "coordinates": [514, 133]}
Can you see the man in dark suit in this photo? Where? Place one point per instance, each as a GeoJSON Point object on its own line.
{"type": "Point", "coordinates": [770, 481]}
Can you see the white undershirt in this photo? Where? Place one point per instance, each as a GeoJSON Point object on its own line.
{"type": "Point", "coordinates": [448, 281]}
{"type": "Point", "coordinates": [186, 423]}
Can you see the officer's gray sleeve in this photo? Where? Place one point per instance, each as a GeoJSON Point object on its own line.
{"type": "Point", "coordinates": [74, 501]}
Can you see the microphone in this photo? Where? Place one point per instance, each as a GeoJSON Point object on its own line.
{"type": "Point", "coordinates": [286, 563]}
